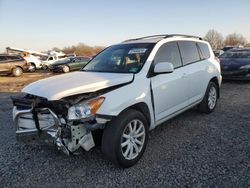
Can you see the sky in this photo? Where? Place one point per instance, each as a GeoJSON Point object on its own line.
{"type": "Point", "coordinates": [44, 24]}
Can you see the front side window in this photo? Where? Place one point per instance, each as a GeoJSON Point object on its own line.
{"type": "Point", "coordinates": [123, 58]}
{"type": "Point", "coordinates": [44, 58]}
{"type": "Point", "coordinates": [169, 52]}
{"type": "Point", "coordinates": [189, 52]}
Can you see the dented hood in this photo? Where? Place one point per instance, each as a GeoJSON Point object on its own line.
{"type": "Point", "coordinates": [57, 87]}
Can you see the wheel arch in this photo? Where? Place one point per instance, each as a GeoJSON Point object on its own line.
{"type": "Point", "coordinates": [215, 80]}
{"type": "Point", "coordinates": [141, 107]}
{"type": "Point", "coordinates": [32, 63]}
{"type": "Point", "coordinates": [16, 66]}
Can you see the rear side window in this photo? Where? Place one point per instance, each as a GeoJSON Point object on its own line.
{"type": "Point", "coordinates": [13, 58]}
{"type": "Point", "coordinates": [205, 53]}
{"type": "Point", "coordinates": [2, 58]}
{"type": "Point", "coordinates": [189, 52]}
{"type": "Point", "coordinates": [169, 52]}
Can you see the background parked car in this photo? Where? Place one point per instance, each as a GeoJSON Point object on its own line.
{"type": "Point", "coordinates": [69, 64]}
{"type": "Point", "coordinates": [235, 64]}
{"type": "Point", "coordinates": [13, 64]}
{"type": "Point", "coordinates": [217, 53]}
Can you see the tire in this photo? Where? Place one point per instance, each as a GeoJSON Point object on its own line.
{"type": "Point", "coordinates": [65, 68]}
{"type": "Point", "coordinates": [32, 67]}
{"type": "Point", "coordinates": [17, 71]}
{"type": "Point", "coordinates": [209, 101]}
{"type": "Point", "coordinates": [45, 67]}
{"type": "Point", "coordinates": [133, 124]}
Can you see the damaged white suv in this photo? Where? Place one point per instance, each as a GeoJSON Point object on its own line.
{"type": "Point", "coordinates": [122, 93]}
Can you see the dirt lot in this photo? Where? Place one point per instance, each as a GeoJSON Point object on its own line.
{"type": "Point", "coordinates": [15, 84]}
{"type": "Point", "coordinates": [192, 150]}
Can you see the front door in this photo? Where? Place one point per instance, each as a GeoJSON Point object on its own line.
{"type": "Point", "coordinates": [170, 89]}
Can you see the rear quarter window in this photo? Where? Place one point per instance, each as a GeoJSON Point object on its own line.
{"type": "Point", "coordinates": [205, 53]}
{"type": "Point", "coordinates": [189, 52]}
{"type": "Point", "coordinates": [3, 58]}
{"type": "Point", "coordinates": [14, 58]}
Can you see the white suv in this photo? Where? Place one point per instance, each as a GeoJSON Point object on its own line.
{"type": "Point", "coordinates": [121, 94]}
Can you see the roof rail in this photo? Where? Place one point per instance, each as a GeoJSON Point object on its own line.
{"type": "Point", "coordinates": [165, 36]}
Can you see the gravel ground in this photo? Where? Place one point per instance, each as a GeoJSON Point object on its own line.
{"type": "Point", "coordinates": [191, 150]}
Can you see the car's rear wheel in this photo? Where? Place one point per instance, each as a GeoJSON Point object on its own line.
{"type": "Point", "coordinates": [65, 68]}
{"type": "Point", "coordinates": [125, 138]}
{"type": "Point", "coordinates": [209, 101]}
{"type": "Point", "coordinates": [17, 71]}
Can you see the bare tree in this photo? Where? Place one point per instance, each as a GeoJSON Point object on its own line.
{"type": "Point", "coordinates": [81, 49]}
{"type": "Point", "coordinates": [215, 39]}
{"type": "Point", "coordinates": [235, 39]}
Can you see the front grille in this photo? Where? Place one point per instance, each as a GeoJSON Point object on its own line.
{"type": "Point", "coordinates": [22, 103]}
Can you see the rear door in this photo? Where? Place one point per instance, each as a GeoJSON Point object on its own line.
{"type": "Point", "coordinates": [83, 61]}
{"type": "Point", "coordinates": [74, 64]}
{"type": "Point", "coordinates": [196, 67]}
{"type": "Point", "coordinates": [4, 64]}
{"type": "Point", "coordinates": [170, 89]}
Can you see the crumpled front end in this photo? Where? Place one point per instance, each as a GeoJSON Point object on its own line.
{"type": "Point", "coordinates": [39, 121]}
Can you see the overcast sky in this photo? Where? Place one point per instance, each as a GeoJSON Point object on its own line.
{"type": "Point", "coordinates": [44, 24]}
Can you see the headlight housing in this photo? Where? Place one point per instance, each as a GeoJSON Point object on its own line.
{"type": "Point", "coordinates": [245, 67]}
{"type": "Point", "coordinates": [85, 109]}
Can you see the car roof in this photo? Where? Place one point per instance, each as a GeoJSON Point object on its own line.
{"type": "Point", "coordinates": [157, 38]}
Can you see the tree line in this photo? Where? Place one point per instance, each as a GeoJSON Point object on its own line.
{"type": "Point", "coordinates": [80, 49]}
{"type": "Point", "coordinates": [217, 41]}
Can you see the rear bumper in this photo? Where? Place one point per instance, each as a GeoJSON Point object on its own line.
{"type": "Point", "coordinates": [26, 68]}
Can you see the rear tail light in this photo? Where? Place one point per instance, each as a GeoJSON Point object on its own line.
{"type": "Point", "coordinates": [217, 59]}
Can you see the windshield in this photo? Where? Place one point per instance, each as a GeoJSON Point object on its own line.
{"type": "Point", "coordinates": [44, 58]}
{"type": "Point", "coordinates": [236, 54]}
{"type": "Point", "coordinates": [123, 58]}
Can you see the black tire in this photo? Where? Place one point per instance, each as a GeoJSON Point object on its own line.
{"type": "Point", "coordinates": [112, 138]}
{"type": "Point", "coordinates": [204, 105]}
{"type": "Point", "coordinates": [17, 71]}
{"type": "Point", "coordinates": [45, 67]}
{"type": "Point", "coordinates": [32, 67]}
{"type": "Point", "coordinates": [65, 68]}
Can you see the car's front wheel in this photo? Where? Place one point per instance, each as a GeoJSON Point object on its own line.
{"type": "Point", "coordinates": [32, 67]}
{"type": "Point", "coordinates": [209, 101]}
{"type": "Point", "coordinates": [125, 138]}
{"type": "Point", "coordinates": [17, 71]}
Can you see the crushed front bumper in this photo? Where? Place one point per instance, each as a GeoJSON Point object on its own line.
{"type": "Point", "coordinates": [46, 132]}
{"type": "Point", "coordinates": [44, 127]}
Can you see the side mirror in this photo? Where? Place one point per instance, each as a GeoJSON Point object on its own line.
{"type": "Point", "coordinates": [163, 67]}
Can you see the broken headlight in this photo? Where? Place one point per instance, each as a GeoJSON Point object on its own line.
{"type": "Point", "coordinates": [85, 109]}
